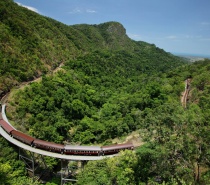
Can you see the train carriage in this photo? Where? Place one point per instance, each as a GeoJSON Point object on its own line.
{"type": "Point", "coordinates": [113, 149]}
{"type": "Point", "coordinates": [7, 127]}
{"type": "Point", "coordinates": [49, 146]}
{"type": "Point", "coordinates": [63, 149]}
{"type": "Point", "coordinates": [82, 150]}
{"type": "Point", "coordinates": [22, 137]}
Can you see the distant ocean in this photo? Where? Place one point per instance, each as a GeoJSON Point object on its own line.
{"type": "Point", "coordinates": [192, 55]}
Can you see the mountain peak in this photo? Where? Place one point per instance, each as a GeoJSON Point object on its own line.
{"type": "Point", "coordinates": [114, 28]}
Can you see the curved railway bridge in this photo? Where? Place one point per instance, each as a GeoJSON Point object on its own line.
{"type": "Point", "coordinates": [44, 152]}
{"type": "Point", "coordinates": [62, 157]}
{"type": "Point", "coordinates": [30, 161]}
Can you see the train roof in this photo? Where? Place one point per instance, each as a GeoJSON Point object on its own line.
{"type": "Point", "coordinates": [88, 148]}
{"type": "Point", "coordinates": [6, 126]}
{"type": "Point", "coordinates": [22, 135]}
{"type": "Point", "coordinates": [47, 143]}
{"type": "Point", "coordinates": [117, 146]}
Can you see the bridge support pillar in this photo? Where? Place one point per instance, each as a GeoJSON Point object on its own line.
{"type": "Point", "coordinates": [68, 171]}
{"type": "Point", "coordinates": [32, 162]}
{"type": "Point", "coordinates": [83, 163]}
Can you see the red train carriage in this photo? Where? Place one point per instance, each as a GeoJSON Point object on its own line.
{"type": "Point", "coordinates": [49, 146]}
{"type": "Point", "coordinates": [22, 137]}
{"type": "Point", "coordinates": [113, 149]}
{"type": "Point", "coordinates": [59, 148]}
{"type": "Point", "coordinates": [82, 150]}
{"type": "Point", "coordinates": [7, 127]}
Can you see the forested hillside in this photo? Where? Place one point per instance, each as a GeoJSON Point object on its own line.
{"type": "Point", "coordinates": [108, 87]}
{"type": "Point", "coordinates": [32, 45]}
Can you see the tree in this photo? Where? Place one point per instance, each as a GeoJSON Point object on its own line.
{"type": "Point", "coordinates": [117, 170]}
{"type": "Point", "coordinates": [5, 169]}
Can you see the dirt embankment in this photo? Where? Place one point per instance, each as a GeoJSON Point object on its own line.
{"type": "Point", "coordinates": [185, 93]}
{"type": "Point", "coordinates": [24, 84]}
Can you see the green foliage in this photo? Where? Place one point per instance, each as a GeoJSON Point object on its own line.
{"type": "Point", "coordinates": [117, 170]}
{"type": "Point", "coordinates": [12, 171]}
{"type": "Point", "coordinates": [89, 98]}
{"type": "Point", "coordinates": [25, 181]}
{"type": "Point", "coordinates": [178, 151]}
{"type": "Point", "coordinates": [109, 86]}
{"type": "Point", "coordinates": [31, 45]}
{"type": "Point", "coordinates": [4, 170]}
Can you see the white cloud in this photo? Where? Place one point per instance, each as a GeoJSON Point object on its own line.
{"type": "Point", "coordinates": [171, 37]}
{"type": "Point", "coordinates": [28, 7]}
{"type": "Point", "coordinates": [134, 36]}
{"type": "Point", "coordinates": [182, 37]}
{"type": "Point", "coordinates": [205, 23]}
{"type": "Point", "coordinates": [205, 39]}
{"type": "Point", "coordinates": [90, 11]}
{"type": "Point", "coordinates": [81, 10]}
{"type": "Point", "coordinates": [75, 11]}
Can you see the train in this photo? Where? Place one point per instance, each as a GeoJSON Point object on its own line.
{"type": "Point", "coordinates": [64, 149]}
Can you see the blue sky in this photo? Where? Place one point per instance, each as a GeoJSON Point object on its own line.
{"type": "Point", "coordinates": [177, 26]}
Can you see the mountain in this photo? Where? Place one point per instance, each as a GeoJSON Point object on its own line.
{"type": "Point", "coordinates": [32, 45]}
{"type": "Point", "coordinates": [109, 86]}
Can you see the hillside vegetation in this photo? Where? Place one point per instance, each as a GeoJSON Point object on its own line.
{"type": "Point", "coordinates": [32, 45]}
{"type": "Point", "coordinates": [108, 87]}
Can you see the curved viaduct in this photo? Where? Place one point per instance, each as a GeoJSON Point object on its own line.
{"type": "Point", "coordinates": [43, 152]}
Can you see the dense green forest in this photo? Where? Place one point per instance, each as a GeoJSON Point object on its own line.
{"type": "Point", "coordinates": [107, 87]}
{"type": "Point", "coordinates": [32, 45]}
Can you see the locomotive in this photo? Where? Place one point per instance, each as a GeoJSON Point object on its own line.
{"type": "Point", "coordinates": [63, 149]}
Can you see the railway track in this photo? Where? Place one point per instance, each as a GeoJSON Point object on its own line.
{"type": "Point", "coordinates": [68, 152]}
{"type": "Point", "coordinates": [186, 93]}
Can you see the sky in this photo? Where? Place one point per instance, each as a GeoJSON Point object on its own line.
{"type": "Point", "coordinates": [177, 26]}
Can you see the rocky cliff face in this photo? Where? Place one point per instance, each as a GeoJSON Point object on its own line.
{"type": "Point", "coordinates": [109, 35]}
{"type": "Point", "coordinates": [115, 35]}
